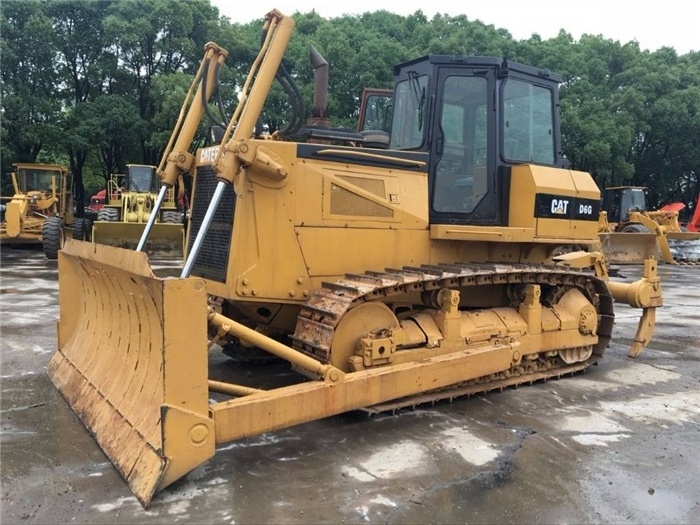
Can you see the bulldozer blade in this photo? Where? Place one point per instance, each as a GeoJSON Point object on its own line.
{"type": "Point", "coordinates": [132, 363]}
{"type": "Point", "coordinates": [165, 239]}
{"type": "Point", "coordinates": [629, 248]}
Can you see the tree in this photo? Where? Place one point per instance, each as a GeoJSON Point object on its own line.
{"type": "Point", "coordinates": [83, 71]}
{"type": "Point", "coordinates": [30, 108]}
{"type": "Point", "coordinates": [628, 117]}
{"type": "Point", "coordinates": [148, 38]}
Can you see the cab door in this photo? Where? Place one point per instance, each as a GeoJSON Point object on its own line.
{"type": "Point", "coordinates": [463, 157]}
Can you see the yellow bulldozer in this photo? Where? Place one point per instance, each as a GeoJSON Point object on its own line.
{"type": "Point", "coordinates": [129, 203]}
{"type": "Point", "coordinates": [40, 210]}
{"type": "Point", "coordinates": [386, 277]}
{"type": "Point", "coordinates": [630, 233]}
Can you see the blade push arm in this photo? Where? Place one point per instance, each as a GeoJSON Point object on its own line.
{"type": "Point", "coordinates": [176, 158]}
{"type": "Point", "coordinates": [231, 155]}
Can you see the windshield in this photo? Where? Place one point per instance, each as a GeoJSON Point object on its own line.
{"type": "Point", "coordinates": [38, 180]}
{"type": "Point", "coordinates": [637, 201]}
{"type": "Point", "coordinates": [528, 121]}
{"type": "Point", "coordinates": [377, 113]}
{"type": "Point", "coordinates": [142, 179]}
{"type": "Point", "coordinates": [408, 128]}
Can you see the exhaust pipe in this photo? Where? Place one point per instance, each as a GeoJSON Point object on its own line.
{"type": "Point", "coordinates": [319, 115]}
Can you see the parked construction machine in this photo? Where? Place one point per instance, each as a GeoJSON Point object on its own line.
{"type": "Point", "coordinates": [129, 202]}
{"type": "Point", "coordinates": [40, 210]}
{"type": "Point", "coordinates": [630, 233]}
{"type": "Point", "coordinates": [97, 201]}
{"type": "Point", "coordinates": [385, 277]}
{"type": "Point", "coordinates": [693, 225]}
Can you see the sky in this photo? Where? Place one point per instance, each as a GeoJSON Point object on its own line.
{"type": "Point", "coordinates": [651, 23]}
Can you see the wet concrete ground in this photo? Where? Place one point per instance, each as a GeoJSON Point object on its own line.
{"type": "Point", "coordinates": [617, 444]}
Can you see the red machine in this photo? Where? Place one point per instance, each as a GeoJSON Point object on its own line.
{"type": "Point", "coordinates": [694, 224]}
{"type": "Point", "coordinates": [97, 201]}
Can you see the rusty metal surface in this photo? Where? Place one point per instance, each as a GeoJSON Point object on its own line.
{"type": "Point", "coordinates": [320, 314]}
{"type": "Point", "coordinates": [132, 348]}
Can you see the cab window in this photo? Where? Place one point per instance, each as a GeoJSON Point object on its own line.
{"type": "Point", "coordinates": [410, 113]}
{"type": "Point", "coordinates": [528, 122]}
{"type": "Point", "coordinates": [461, 174]}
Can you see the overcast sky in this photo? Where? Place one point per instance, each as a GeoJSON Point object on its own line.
{"type": "Point", "coordinates": [652, 23]}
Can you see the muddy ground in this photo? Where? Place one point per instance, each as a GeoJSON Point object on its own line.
{"type": "Point", "coordinates": [616, 444]}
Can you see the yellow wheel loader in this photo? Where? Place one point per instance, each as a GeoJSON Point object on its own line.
{"type": "Point", "coordinates": [385, 277]}
{"type": "Point", "coordinates": [129, 203]}
{"type": "Point", "coordinates": [40, 210]}
{"type": "Point", "coordinates": [630, 233]}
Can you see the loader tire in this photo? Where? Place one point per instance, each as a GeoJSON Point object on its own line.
{"type": "Point", "coordinates": [635, 228]}
{"type": "Point", "coordinates": [52, 237]}
{"type": "Point", "coordinates": [108, 214]}
{"type": "Point", "coordinates": [82, 229]}
{"type": "Point", "coordinates": [569, 248]}
{"type": "Point", "coordinates": [172, 217]}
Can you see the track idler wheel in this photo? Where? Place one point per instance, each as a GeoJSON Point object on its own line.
{"type": "Point", "coordinates": [362, 319]}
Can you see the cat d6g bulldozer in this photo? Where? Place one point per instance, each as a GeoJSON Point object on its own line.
{"type": "Point", "coordinates": [385, 277]}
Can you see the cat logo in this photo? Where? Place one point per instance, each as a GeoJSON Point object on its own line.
{"type": "Point", "coordinates": [207, 155]}
{"type": "Point", "coordinates": [560, 206]}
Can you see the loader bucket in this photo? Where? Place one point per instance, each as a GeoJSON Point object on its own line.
{"type": "Point", "coordinates": [629, 248]}
{"type": "Point", "coordinates": [684, 246]}
{"type": "Point", "coordinates": [165, 239]}
{"type": "Point", "coordinates": [132, 363]}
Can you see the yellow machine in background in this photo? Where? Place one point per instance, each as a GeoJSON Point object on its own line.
{"type": "Point", "coordinates": [630, 233]}
{"type": "Point", "coordinates": [130, 201]}
{"type": "Point", "coordinates": [385, 277]}
{"type": "Point", "coordinates": [40, 210]}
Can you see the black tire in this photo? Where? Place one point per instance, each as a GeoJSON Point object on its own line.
{"type": "Point", "coordinates": [52, 237]}
{"type": "Point", "coordinates": [82, 229]}
{"type": "Point", "coordinates": [108, 214]}
{"type": "Point", "coordinates": [172, 217]}
{"type": "Point", "coordinates": [635, 228]}
{"type": "Point", "coordinates": [569, 248]}
{"type": "Point", "coordinates": [91, 215]}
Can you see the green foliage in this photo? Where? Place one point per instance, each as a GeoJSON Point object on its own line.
{"type": "Point", "coordinates": [29, 78]}
{"type": "Point", "coordinates": [99, 83]}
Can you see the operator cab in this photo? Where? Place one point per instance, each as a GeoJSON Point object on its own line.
{"type": "Point", "coordinates": [141, 178]}
{"type": "Point", "coordinates": [619, 201]}
{"type": "Point", "coordinates": [476, 117]}
{"type": "Point", "coordinates": [37, 178]}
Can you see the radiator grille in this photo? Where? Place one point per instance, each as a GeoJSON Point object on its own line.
{"type": "Point", "coordinates": [375, 186]}
{"type": "Point", "coordinates": [212, 260]}
{"type": "Point", "coordinates": [344, 202]}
